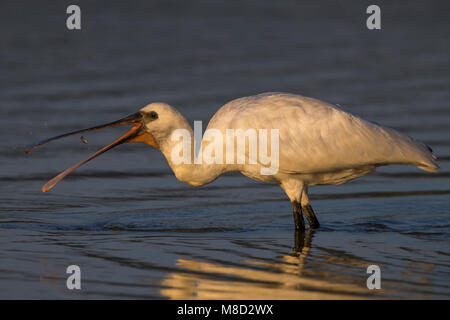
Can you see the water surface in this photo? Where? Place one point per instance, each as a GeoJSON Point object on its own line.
{"type": "Point", "coordinates": [137, 232]}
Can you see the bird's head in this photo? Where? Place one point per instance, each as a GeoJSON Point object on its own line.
{"type": "Point", "coordinates": [151, 125]}
{"type": "Point", "coordinates": [159, 120]}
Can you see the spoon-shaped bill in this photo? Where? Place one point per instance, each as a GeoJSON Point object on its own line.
{"type": "Point", "coordinates": [130, 120]}
{"type": "Point", "coordinates": [122, 139]}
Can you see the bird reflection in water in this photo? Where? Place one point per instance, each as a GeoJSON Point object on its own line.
{"type": "Point", "coordinates": [284, 277]}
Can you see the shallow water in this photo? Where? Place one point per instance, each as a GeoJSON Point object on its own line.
{"type": "Point", "coordinates": [137, 232]}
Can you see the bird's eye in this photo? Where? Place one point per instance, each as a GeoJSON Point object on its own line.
{"type": "Point", "coordinates": [153, 115]}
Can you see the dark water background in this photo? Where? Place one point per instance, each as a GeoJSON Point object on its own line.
{"type": "Point", "coordinates": [137, 232]}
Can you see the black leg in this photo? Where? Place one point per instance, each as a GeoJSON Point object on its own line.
{"type": "Point", "coordinates": [298, 216]}
{"type": "Point", "coordinates": [311, 216]}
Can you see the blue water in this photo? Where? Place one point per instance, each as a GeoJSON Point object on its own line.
{"type": "Point", "coordinates": [137, 232]}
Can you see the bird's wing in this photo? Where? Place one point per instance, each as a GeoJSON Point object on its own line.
{"type": "Point", "coordinates": [315, 136]}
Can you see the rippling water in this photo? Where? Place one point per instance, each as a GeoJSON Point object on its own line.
{"type": "Point", "coordinates": [136, 232]}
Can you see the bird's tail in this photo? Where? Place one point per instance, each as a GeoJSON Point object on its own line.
{"type": "Point", "coordinates": [411, 151]}
{"type": "Point", "coordinates": [428, 160]}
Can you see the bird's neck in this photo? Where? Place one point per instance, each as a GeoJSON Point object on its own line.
{"type": "Point", "coordinates": [184, 163]}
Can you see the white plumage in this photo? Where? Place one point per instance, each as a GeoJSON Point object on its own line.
{"type": "Point", "coordinates": [321, 139]}
{"type": "Point", "coordinates": [319, 143]}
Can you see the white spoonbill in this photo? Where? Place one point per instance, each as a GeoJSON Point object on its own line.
{"type": "Point", "coordinates": [318, 143]}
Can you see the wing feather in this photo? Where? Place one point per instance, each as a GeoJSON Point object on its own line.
{"type": "Point", "coordinates": [315, 136]}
